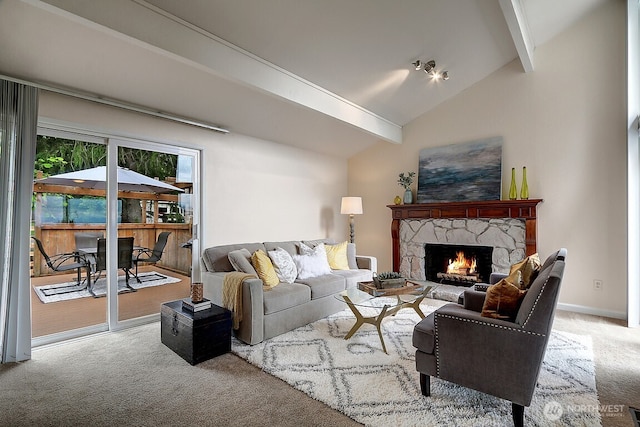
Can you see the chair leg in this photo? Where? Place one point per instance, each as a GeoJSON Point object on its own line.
{"type": "Point", "coordinates": [88, 287]}
{"type": "Point", "coordinates": [127, 272]}
{"type": "Point", "coordinates": [518, 414]}
{"type": "Point", "coordinates": [90, 284]}
{"type": "Point", "coordinates": [137, 278]}
{"type": "Point", "coordinates": [425, 384]}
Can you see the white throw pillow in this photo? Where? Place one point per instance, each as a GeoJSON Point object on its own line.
{"type": "Point", "coordinates": [283, 264]}
{"type": "Point", "coordinates": [316, 250]}
{"type": "Point", "coordinates": [312, 265]}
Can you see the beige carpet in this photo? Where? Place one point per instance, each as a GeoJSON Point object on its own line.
{"type": "Point", "coordinates": [130, 378]}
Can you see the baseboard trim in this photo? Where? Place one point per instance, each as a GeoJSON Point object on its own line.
{"type": "Point", "coordinates": [52, 339]}
{"type": "Point", "coordinates": [593, 311]}
{"type": "Point", "coordinates": [138, 321]}
{"type": "Point", "coordinates": [57, 338]}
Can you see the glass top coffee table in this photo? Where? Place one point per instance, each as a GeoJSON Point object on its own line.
{"type": "Point", "coordinates": [359, 301]}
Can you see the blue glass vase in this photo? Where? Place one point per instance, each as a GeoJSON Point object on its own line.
{"type": "Point", "coordinates": [408, 197]}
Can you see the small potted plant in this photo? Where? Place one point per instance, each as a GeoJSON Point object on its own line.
{"type": "Point", "coordinates": [388, 279]}
{"type": "Point", "coordinates": [406, 181]}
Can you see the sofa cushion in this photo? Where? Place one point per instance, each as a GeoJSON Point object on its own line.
{"type": "Point", "coordinates": [325, 285]}
{"type": "Point", "coordinates": [289, 246]}
{"type": "Point", "coordinates": [337, 256]}
{"type": "Point", "coordinates": [262, 263]}
{"type": "Point", "coordinates": [240, 259]}
{"type": "Point", "coordinates": [313, 243]}
{"type": "Point", "coordinates": [424, 337]}
{"type": "Point", "coordinates": [352, 277]}
{"type": "Point", "coordinates": [284, 296]}
{"type": "Point", "coordinates": [283, 263]}
{"type": "Point", "coordinates": [217, 258]}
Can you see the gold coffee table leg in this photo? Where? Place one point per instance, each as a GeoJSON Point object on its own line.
{"type": "Point", "coordinates": [416, 306]}
{"type": "Point", "coordinates": [378, 324]}
{"type": "Point", "coordinates": [360, 320]}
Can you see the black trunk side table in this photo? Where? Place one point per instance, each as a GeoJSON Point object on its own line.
{"type": "Point", "coordinates": [195, 336]}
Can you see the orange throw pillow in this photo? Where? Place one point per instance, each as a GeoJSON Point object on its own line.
{"type": "Point", "coordinates": [528, 268]}
{"type": "Point", "coordinates": [502, 300]}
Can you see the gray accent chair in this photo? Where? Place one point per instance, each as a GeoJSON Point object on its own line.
{"type": "Point", "coordinates": [498, 357]}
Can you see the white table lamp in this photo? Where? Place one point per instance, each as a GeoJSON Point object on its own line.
{"type": "Point", "coordinates": [351, 206]}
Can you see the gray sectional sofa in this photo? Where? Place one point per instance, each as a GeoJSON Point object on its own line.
{"type": "Point", "coordinates": [268, 313]}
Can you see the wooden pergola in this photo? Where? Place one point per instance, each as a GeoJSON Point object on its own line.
{"type": "Point", "coordinates": [59, 237]}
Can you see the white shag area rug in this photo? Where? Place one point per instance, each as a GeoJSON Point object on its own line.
{"type": "Point", "coordinates": [358, 379]}
{"type": "Point", "coordinates": [68, 291]}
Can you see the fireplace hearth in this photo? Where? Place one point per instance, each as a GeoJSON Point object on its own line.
{"type": "Point", "coordinates": [460, 265]}
{"type": "Point", "coordinates": [508, 226]}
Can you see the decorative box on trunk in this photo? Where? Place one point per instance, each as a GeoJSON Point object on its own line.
{"type": "Point", "coordinates": [195, 336]}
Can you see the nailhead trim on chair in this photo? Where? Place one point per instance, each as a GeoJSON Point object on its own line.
{"type": "Point", "coordinates": [435, 326]}
{"type": "Point", "coordinates": [537, 299]}
{"type": "Point", "coordinates": [448, 316]}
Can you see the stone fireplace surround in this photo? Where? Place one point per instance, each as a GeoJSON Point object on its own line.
{"type": "Point", "coordinates": [509, 226]}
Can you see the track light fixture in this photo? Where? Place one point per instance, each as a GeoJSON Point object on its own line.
{"type": "Point", "coordinates": [429, 67]}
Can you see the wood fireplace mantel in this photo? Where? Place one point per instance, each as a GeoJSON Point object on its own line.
{"type": "Point", "coordinates": [521, 209]}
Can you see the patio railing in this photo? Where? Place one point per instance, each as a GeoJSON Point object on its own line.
{"type": "Point", "coordinates": [59, 238]}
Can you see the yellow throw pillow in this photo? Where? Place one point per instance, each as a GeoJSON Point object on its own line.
{"type": "Point", "coordinates": [262, 263]}
{"type": "Point", "coordinates": [528, 268]}
{"type": "Point", "coordinates": [337, 256]}
{"type": "Point", "coordinates": [502, 300]}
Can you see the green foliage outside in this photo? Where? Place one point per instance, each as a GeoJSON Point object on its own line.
{"type": "Point", "coordinates": [58, 155]}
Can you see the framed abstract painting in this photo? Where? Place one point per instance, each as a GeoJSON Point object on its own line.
{"type": "Point", "coordinates": [461, 172]}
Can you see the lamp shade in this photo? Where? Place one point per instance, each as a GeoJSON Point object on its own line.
{"type": "Point", "coordinates": [351, 206]}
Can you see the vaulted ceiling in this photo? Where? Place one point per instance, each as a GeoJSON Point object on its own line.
{"type": "Point", "coordinates": [332, 76]}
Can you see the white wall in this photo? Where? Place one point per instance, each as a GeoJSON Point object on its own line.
{"type": "Point", "coordinates": [253, 190]}
{"type": "Point", "coordinates": [566, 123]}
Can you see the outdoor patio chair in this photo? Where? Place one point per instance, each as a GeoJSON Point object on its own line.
{"type": "Point", "coordinates": [151, 256]}
{"type": "Point", "coordinates": [88, 240]}
{"type": "Point", "coordinates": [65, 262]}
{"type": "Point", "coordinates": [125, 255]}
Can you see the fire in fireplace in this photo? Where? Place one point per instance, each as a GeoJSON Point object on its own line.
{"type": "Point", "coordinates": [462, 265]}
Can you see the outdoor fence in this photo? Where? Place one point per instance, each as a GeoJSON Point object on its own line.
{"type": "Point", "coordinates": [59, 238]}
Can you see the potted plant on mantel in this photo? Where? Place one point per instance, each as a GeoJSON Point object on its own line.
{"type": "Point", "coordinates": [406, 181]}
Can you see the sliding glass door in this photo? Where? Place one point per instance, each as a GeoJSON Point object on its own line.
{"type": "Point", "coordinates": [156, 218]}
{"type": "Point", "coordinates": [68, 215]}
{"type": "Point", "coordinates": [124, 213]}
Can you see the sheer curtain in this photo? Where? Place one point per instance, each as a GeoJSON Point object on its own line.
{"type": "Point", "coordinates": [18, 127]}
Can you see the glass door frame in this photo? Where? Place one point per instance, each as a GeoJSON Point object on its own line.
{"type": "Point", "coordinates": [113, 142]}
{"type": "Point", "coordinates": [59, 131]}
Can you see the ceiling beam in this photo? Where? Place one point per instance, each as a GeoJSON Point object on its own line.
{"type": "Point", "coordinates": [517, 23]}
{"type": "Point", "coordinates": [156, 29]}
